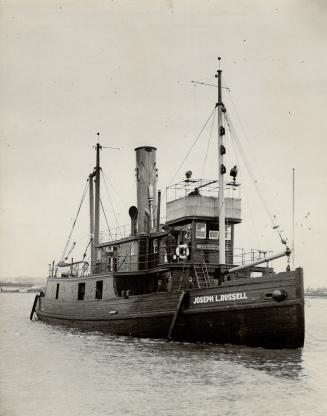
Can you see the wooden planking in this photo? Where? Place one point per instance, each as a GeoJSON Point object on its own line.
{"type": "Point", "coordinates": [100, 309]}
{"type": "Point", "coordinates": [280, 327]}
{"type": "Point", "coordinates": [251, 321]}
{"type": "Point", "coordinates": [255, 292]}
{"type": "Point", "coordinates": [69, 287]}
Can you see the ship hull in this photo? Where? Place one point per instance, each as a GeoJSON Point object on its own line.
{"type": "Point", "coordinates": [240, 312]}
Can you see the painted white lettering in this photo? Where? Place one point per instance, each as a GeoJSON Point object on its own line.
{"type": "Point", "coordinates": [224, 297]}
{"type": "Point", "coordinates": [203, 299]}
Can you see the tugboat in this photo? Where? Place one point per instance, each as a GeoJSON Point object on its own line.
{"type": "Point", "coordinates": [180, 279]}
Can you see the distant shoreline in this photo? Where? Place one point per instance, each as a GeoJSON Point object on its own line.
{"type": "Point", "coordinates": [315, 295]}
{"type": "Point", "coordinates": [22, 284]}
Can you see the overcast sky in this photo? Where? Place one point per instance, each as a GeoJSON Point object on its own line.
{"type": "Point", "coordinates": [69, 69]}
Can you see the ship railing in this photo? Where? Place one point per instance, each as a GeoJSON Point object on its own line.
{"type": "Point", "coordinates": [120, 231]}
{"type": "Point", "coordinates": [243, 257]}
{"type": "Point", "coordinates": [80, 269]}
{"type": "Point", "coordinates": [204, 187]}
{"type": "Point", "coordinates": [114, 233]}
{"type": "Point", "coordinates": [161, 257]}
{"type": "Point", "coordinates": [123, 263]}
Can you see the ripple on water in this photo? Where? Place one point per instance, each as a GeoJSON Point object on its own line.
{"type": "Point", "coordinates": [56, 370]}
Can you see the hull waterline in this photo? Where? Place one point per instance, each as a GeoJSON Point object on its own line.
{"type": "Point", "coordinates": [238, 313]}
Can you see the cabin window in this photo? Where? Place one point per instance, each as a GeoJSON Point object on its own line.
{"type": "Point", "coordinates": [213, 235]}
{"type": "Point", "coordinates": [99, 289]}
{"type": "Point", "coordinates": [155, 246]}
{"type": "Point", "coordinates": [81, 291]}
{"type": "Point", "coordinates": [57, 291]}
{"type": "Point", "coordinates": [201, 230]}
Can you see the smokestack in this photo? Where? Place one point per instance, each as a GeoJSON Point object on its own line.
{"type": "Point", "coordinates": [146, 182]}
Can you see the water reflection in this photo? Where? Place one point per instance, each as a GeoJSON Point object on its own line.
{"type": "Point", "coordinates": [183, 358]}
{"type": "Point", "coordinates": [281, 363]}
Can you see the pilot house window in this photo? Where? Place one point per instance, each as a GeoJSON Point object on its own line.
{"type": "Point", "coordinates": [81, 291]}
{"type": "Point", "coordinates": [201, 230]}
{"type": "Point", "coordinates": [213, 235]}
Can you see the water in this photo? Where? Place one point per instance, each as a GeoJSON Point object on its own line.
{"type": "Point", "coordinates": [46, 370]}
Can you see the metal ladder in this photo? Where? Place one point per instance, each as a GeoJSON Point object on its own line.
{"type": "Point", "coordinates": [201, 275]}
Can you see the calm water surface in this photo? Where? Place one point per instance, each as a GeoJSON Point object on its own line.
{"type": "Point", "coordinates": [46, 370]}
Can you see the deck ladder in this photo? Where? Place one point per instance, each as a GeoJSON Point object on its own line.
{"type": "Point", "coordinates": [201, 275]}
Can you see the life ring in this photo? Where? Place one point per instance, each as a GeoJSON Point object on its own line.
{"type": "Point", "coordinates": [182, 251]}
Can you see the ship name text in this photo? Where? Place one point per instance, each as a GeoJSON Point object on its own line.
{"type": "Point", "coordinates": [225, 297]}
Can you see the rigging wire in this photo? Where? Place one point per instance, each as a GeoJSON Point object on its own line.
{"type": "Point", "coordinates": [114, 189]}
{"type": "Point", "coordinates": [205, 157]}
{"type": "Point", "coordinates": [241, 124]}
{"type": "Point", "coordinates": [249, 168]}
{"type": "Point", "coordinates": [105, 217]}
{"type": "Point", "coordinates": [204, 162]}
{"type": "Point", "coordinates": [203, 83]}
{"type": "Point", "coordinates": [275, 226]}
{"type": "Point", "coordinates": [111, 204]}
{"type": "Point", "coordinates": [191, 148]}
{"type": "Point", "coordinates": [247, 199]}
{"type": "Point", "coordinates": [74, 223]}
{"type": "Point", "coordinates": [207, 149]}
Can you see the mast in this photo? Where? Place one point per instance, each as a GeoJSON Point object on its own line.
{"type": "Point", "coordinates": [91, 195]}
{"type": "Point", "coordinates": [293, 218]}
{"type": "Point", "coordinates": [222, 170]}
{"type": "Point", "coordinates": [97, 194]}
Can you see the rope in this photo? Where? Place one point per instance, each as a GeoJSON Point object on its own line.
{"type": "Point", "coordinates": [74, 223]}
{"type": "Point", "coordinates": [191, 148]}
{"type": "Point", "coordinates": [88, 244]}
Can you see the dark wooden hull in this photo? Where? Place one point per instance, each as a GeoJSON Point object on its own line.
{"type": "Point", "coordinates": [240, 312]}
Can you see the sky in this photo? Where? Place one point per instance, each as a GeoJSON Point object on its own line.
{"type": "Point", "coordinates": [70, 69]}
